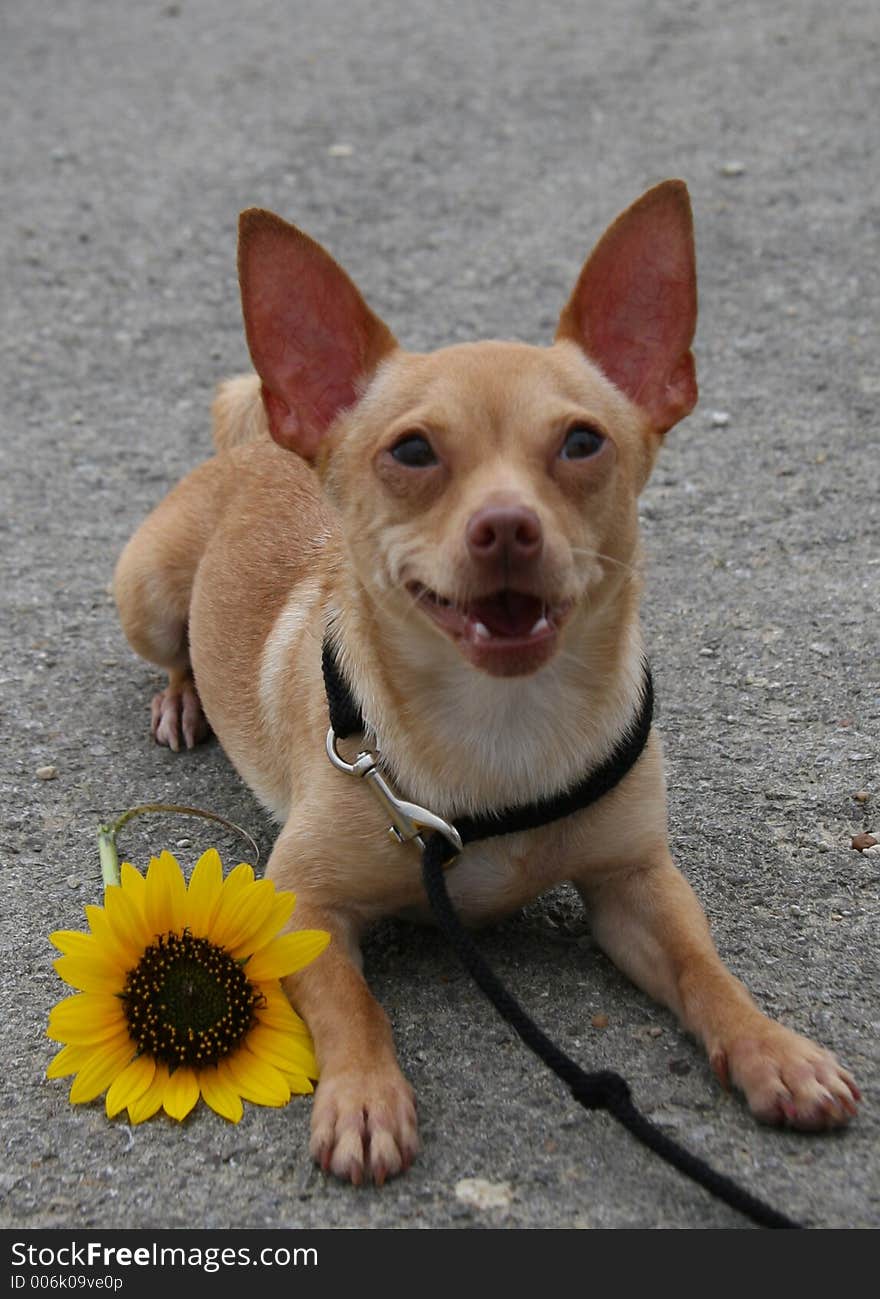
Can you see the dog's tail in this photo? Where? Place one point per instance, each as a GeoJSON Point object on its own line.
{"type": "Point", "coordinates": [238, 413]}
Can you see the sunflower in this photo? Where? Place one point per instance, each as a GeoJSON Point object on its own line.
{"type": "Point", "coordinates": [178, 994]}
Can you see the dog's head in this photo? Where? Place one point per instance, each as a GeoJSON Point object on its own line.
{"type": "Point", "coordinates": [487, 491]}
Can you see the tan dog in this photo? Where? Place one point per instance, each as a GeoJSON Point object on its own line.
{"type": "Point", "coordinates": [466, 527]}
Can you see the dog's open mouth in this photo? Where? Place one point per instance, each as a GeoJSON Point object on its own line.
{"type": "Point", "coordinates": [507, 633]}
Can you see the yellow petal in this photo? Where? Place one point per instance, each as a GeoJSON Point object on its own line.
{"type": "Point", "coordinates": [69, 1060]}
{"type": "Point", "coordinates": [240, 915]}
{"type": "Point", "coordinates": [277, 1012]}
{"type": "Point", "coordinates": [109, 1059]}
{"type": "Point", "coordinates": [126, 919]}
{"type": "Point", "coordinates": [286, 954]}
{"type": "Point", "coordinates": [235, 889]}
{"type": "Point", "coordinates": [220, 1093]}
{"type": "Point", "coordinates": [86, 1017]}
{"type": "Point", "coordinates": [181, 1092]}
{"type": "Point", "coordinates": [299, 1084]}
{"type": "Point", "coordinates": [203, 894]}
{"type": "Point", "coordinates": [133, 883]}
{"type": "Point", "coordinates": [90, 974]}
{"type": "Point", "coordinates": [72, 942]}
{"type": "Point", "coordinates": [127, 954]}
{"type": "Point", "coordinates": [286, 1053]}
{"type": "Point", "coordinates": [238, 882]}
{"type": "Point", "coordinates": [151, 1101]}
{"type": "Point", "coordinates": [130, 1085]}
{"type": "Point", "coordinates": [88, 948]}
{"type": "Point", "coordinates": [282, 910]}
{"type": "Point", "coordinates": [256, 1080]}
{"type": "Point", "coordinates": [240, 875]}
{"type": "Point", "coordinates": [166, 896]}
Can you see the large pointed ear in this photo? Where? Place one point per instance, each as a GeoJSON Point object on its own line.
{"type": "Point", "coordinates": [312, 338]}
{"type": "Point", "coordinates": [634, 307]}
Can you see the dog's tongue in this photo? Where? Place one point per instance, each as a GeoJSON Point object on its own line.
{"type": "Point", "coordinates": [509, 613]}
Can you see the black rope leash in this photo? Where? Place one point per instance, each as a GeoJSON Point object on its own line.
{"type": "Point", "coordinates": [603, 1089]}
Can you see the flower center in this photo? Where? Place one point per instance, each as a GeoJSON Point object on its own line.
{"type": "Point", "coordinates": [187, 1001]}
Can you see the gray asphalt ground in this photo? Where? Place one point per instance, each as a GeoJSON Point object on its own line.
{"type": "Point", "coordinates": [459, 160]}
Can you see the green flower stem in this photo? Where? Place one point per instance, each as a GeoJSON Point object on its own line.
{"type": "Point", "coordinates": [108, 855]}
{"type": "Point", "coordinates": [107, 850]}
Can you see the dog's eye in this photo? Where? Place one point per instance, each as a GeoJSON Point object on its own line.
{"type": "Point", "coordinates": [415, 451]}
{"type": "Point", "coordinates": [581, 442]}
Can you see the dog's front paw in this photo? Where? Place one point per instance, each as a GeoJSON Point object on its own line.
{"type": "Point", "coordinates": [788, 1079]}
{"type": "Point", "coordinates": [364, 1125]}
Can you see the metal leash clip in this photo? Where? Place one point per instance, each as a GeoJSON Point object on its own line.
{"type": "Point", "coordinates": [408, 820]}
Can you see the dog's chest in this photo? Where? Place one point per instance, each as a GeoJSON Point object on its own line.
{"type": "Point", "coordinates": [495, 877]}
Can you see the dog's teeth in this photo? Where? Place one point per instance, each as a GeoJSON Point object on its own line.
{"type": "Point", "coordinates": [541, 625]}
{"type": "Point", "coordinates": [482, 632]}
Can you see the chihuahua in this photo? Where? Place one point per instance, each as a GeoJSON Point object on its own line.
{"type": "Point", "coordinates": [462, 525]}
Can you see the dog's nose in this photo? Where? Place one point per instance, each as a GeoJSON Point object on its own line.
{"type": "Point", "coordinates": [504, 533]}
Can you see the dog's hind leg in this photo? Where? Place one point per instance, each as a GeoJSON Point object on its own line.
{"type": "Point", "coordinates": [152, 586]}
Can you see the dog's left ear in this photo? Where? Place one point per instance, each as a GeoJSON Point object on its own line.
{"type": "Point", "coordinates": [634, 308]}
{"type": "Point", "coordinates": [313, 339]}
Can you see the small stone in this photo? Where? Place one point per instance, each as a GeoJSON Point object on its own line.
{"type": "Point", "coordinates": [679, 1067]}
{"type": "Point", "coordinates": [655, 1031]}
{"type": "Point", "coordinates": [184, 843]}
{"type": "Point", "coordinates": [72, 881]}
{"type": "Point", "coordinates": [340, 150]}
{"type": "Point", "coordinates": [872, 852]}
{"type": "Point", "coordinates": [719, 419]}
{"type": "Point", "coordinates": [819, 647]}
{"type": "Point", "coordinates": [481, 1194]}
{"type": "Point", "coordinates": [46, 773]}
{"type": "Point", "coordinates": [861, 796]}
{"type": "Point", "coordinates": [862, 841]}
{"type": "Point", "coordinates": [733, 167]}
{"type": "Point", "coordinates": [599, 1021]}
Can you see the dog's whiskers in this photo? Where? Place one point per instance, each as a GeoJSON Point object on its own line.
{"type": "Point", "coordinates": [604, 559]}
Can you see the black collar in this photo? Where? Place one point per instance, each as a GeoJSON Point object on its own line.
{"type": "Point", "coordinates": [346, 719]}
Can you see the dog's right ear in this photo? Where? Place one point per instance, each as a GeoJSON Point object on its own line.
{"type": "Point", "coordinates": [634, 308]}
{"type": "Point", "coordinates": [313, 340]}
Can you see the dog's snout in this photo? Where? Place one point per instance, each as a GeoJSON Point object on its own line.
{"type": "Point", "coordinates": [510, 532]}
